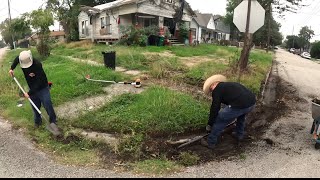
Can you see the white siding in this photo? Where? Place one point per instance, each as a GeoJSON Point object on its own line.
{"type": "Point", "coordinates": [199, 35]}
{"type": "Point", "coordinates": [83, 17]}
{"type": "Point", "coordinates": [126, 20]}
{"type": "Point", "coordinates": [211, 24]}
{"type": "Point", "coordinates": [114, 27]}
{"type": "Point", "coordinates": [168, 11]}
{"type": "Point", "coordinates": [124, 13]}
{"type": "Point", "coordinates": [228, 37]}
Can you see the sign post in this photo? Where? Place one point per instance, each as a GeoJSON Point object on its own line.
{"type": "Point", "coordinates": [248, 17]}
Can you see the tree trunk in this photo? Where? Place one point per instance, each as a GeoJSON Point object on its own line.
{"type": "Point", "coordinates": [269, 27]}
{"type": "Point", "coordinates": [243, 62]}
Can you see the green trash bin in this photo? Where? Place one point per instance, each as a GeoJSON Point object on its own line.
{"type": "Point", "coordinates": [161, 41]}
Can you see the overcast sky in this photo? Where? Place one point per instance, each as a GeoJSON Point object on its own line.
{"type": "Point", "coordinates": [291, 24]}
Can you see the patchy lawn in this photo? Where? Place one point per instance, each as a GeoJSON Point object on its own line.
{"type": "Point", "coordinates": [171, 106]}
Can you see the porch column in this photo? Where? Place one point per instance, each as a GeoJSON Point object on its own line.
{"type": "Point", "coordinates": [93, 29]}
{"type": "Point", "coordinates": [161, 20]}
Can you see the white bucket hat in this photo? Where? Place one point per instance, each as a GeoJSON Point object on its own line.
{"type": "Point", "coordinates": [25, 59]}
{"type": "Point", "coordinates": [211, 80]}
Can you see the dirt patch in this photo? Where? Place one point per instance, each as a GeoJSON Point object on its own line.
{"type": "Point", "coordinates": [279, 95]}
{"type": "Point", "coordinates": [195, 60]}
{"type": "Point", "coordinates": [162, 54]}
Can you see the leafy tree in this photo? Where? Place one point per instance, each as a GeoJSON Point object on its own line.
{"type": "Point", "coordinates": [315, 50]}
{"type": "Point", "coordinates": [19, 28]}
{"type": "Point", "coordinates": [271, 6]}
{"type": "Point", "coordinates": [261, 36]}
{"type": "Point", "coordinates": [293, 42]}
{"type": "Point", "coordinates": [306, 34]}
{"type": "Point", "coordinates": [41, 20]}
{"type": "Point", "coordinates": [279, 5]}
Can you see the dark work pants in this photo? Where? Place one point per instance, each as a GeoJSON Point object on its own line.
{"type": "Point", "coordinates": [43, 97]}
{"type": "Point", "coordinates": [225, 117]}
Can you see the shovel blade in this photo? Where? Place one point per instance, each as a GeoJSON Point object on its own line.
{"type": "Point", "coordinates": [53, 128]}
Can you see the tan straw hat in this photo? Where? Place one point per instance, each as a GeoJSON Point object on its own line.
{"type": "Point", "coordinates": [25, 59]}
{"type": "Point", "coordinates": [211, 80]}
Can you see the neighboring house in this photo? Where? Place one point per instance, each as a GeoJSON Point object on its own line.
{"type": "Point", "coordinates": [208, 28]}
{"type": "Point", "coordinates": [54, 35]}
{"type": "Point", "coordinates": [222, 29]}
{"type": "Point", "coordinates": [102, 23]}
{"type": "Point", "coordinates": [202, 27]}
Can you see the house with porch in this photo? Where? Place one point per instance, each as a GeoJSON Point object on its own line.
{"type": "Point", "coordinates": [207, 28]}
{"type": "Point", "coordinates": [102, 23]}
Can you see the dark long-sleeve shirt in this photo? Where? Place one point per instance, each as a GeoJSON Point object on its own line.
{"type": "Point", "coordinates": [230, 93]}
{"type": "Point", "coordinates": [35, 75]}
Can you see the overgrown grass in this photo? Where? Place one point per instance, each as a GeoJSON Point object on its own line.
{"type": "Point", "coordinates": [69, 82]}
{"type": "Point", "coordinates": [198, 74]}
{"type": "Point", "coordinates": [202, 50]}
{"type": "Point", "coordinates": [157, 110]}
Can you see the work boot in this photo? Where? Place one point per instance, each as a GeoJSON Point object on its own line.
{"type": "Point", "coordinates": [205, 143]}
{"type": "Point", "coordinates": [239, 140]}
{"type": "Point", "coordinates": [37, 125]}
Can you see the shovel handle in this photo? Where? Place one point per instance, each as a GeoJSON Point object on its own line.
{"type": "Point", "coordinates": [32, 103]}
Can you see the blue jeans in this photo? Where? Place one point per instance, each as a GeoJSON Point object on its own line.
{"type": "Point", "coordinates": [225, 117]}
{"type": "Point", "coordinates": [43, 97]}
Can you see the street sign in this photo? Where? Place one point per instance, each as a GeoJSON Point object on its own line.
{"type": "Point", "coordinates": [256, 18]}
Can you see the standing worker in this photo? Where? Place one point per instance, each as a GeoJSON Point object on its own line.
{"type": "Point", "coordinates": [239, 100]}
{"type": "Point", "coordinates": [38, 84]}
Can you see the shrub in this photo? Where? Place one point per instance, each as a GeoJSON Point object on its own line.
{"type": "Point", "coordinates": [137, 36]}
{"type": "Point", "coordinates": [315, 50]}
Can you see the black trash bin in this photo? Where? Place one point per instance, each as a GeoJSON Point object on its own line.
{"type": "Point", "coordinates": [110, 59]}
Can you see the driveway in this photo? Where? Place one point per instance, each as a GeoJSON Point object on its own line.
{"type": "Point", "coordinates": [291, 155]}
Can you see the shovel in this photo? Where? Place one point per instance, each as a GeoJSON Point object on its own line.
{"type": "Point", "coordinates": [52, 127]}
{"type": "Point", "coordinates": [197, 138]}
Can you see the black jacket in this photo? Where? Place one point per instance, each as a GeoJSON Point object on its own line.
{"type": "Point", "coordinates": [230, 93]}
{"type": "Point", "coordinates": [35, 75]}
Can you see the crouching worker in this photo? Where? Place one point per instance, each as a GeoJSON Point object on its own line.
{"type": "Point", "coordinates": [239, 102]}
{"type": "Point", "coordinates": [38, 84]}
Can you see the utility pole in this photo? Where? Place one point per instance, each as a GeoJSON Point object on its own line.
{"type": "Point", "coordinates": [13, 43]}
{"type": "Point", "coordinates": [293, 37]}
{"type": "Point", "coordinates": [243, 62]}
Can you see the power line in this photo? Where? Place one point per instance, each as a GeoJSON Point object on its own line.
{"type": "Point", "coordinates": [313, 9]}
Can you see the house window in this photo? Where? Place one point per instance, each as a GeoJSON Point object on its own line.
{"type": "Point", "coordinates": [91, 19]}
{"type": "Point", "coordinates": [169, 1]}
{"type": "Point", "coordinates": [103, 22]}
{"type": "Point", "coordinates": [84, 28]}
{"type": "Point", "coordinates": [108, 25]}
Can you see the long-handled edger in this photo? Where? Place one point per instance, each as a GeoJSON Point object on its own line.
{"type": "Point", "coordinates": [52, 127]}
{"type": "Point", "coordinates": [136, 84]}
{"type": "Point", "coordinates": [186, 142]}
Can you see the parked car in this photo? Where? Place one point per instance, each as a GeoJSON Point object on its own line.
{"type": "Point", "coordinates": [292, 50]}
{"type": "Point", "coordinates": [305, 55]}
